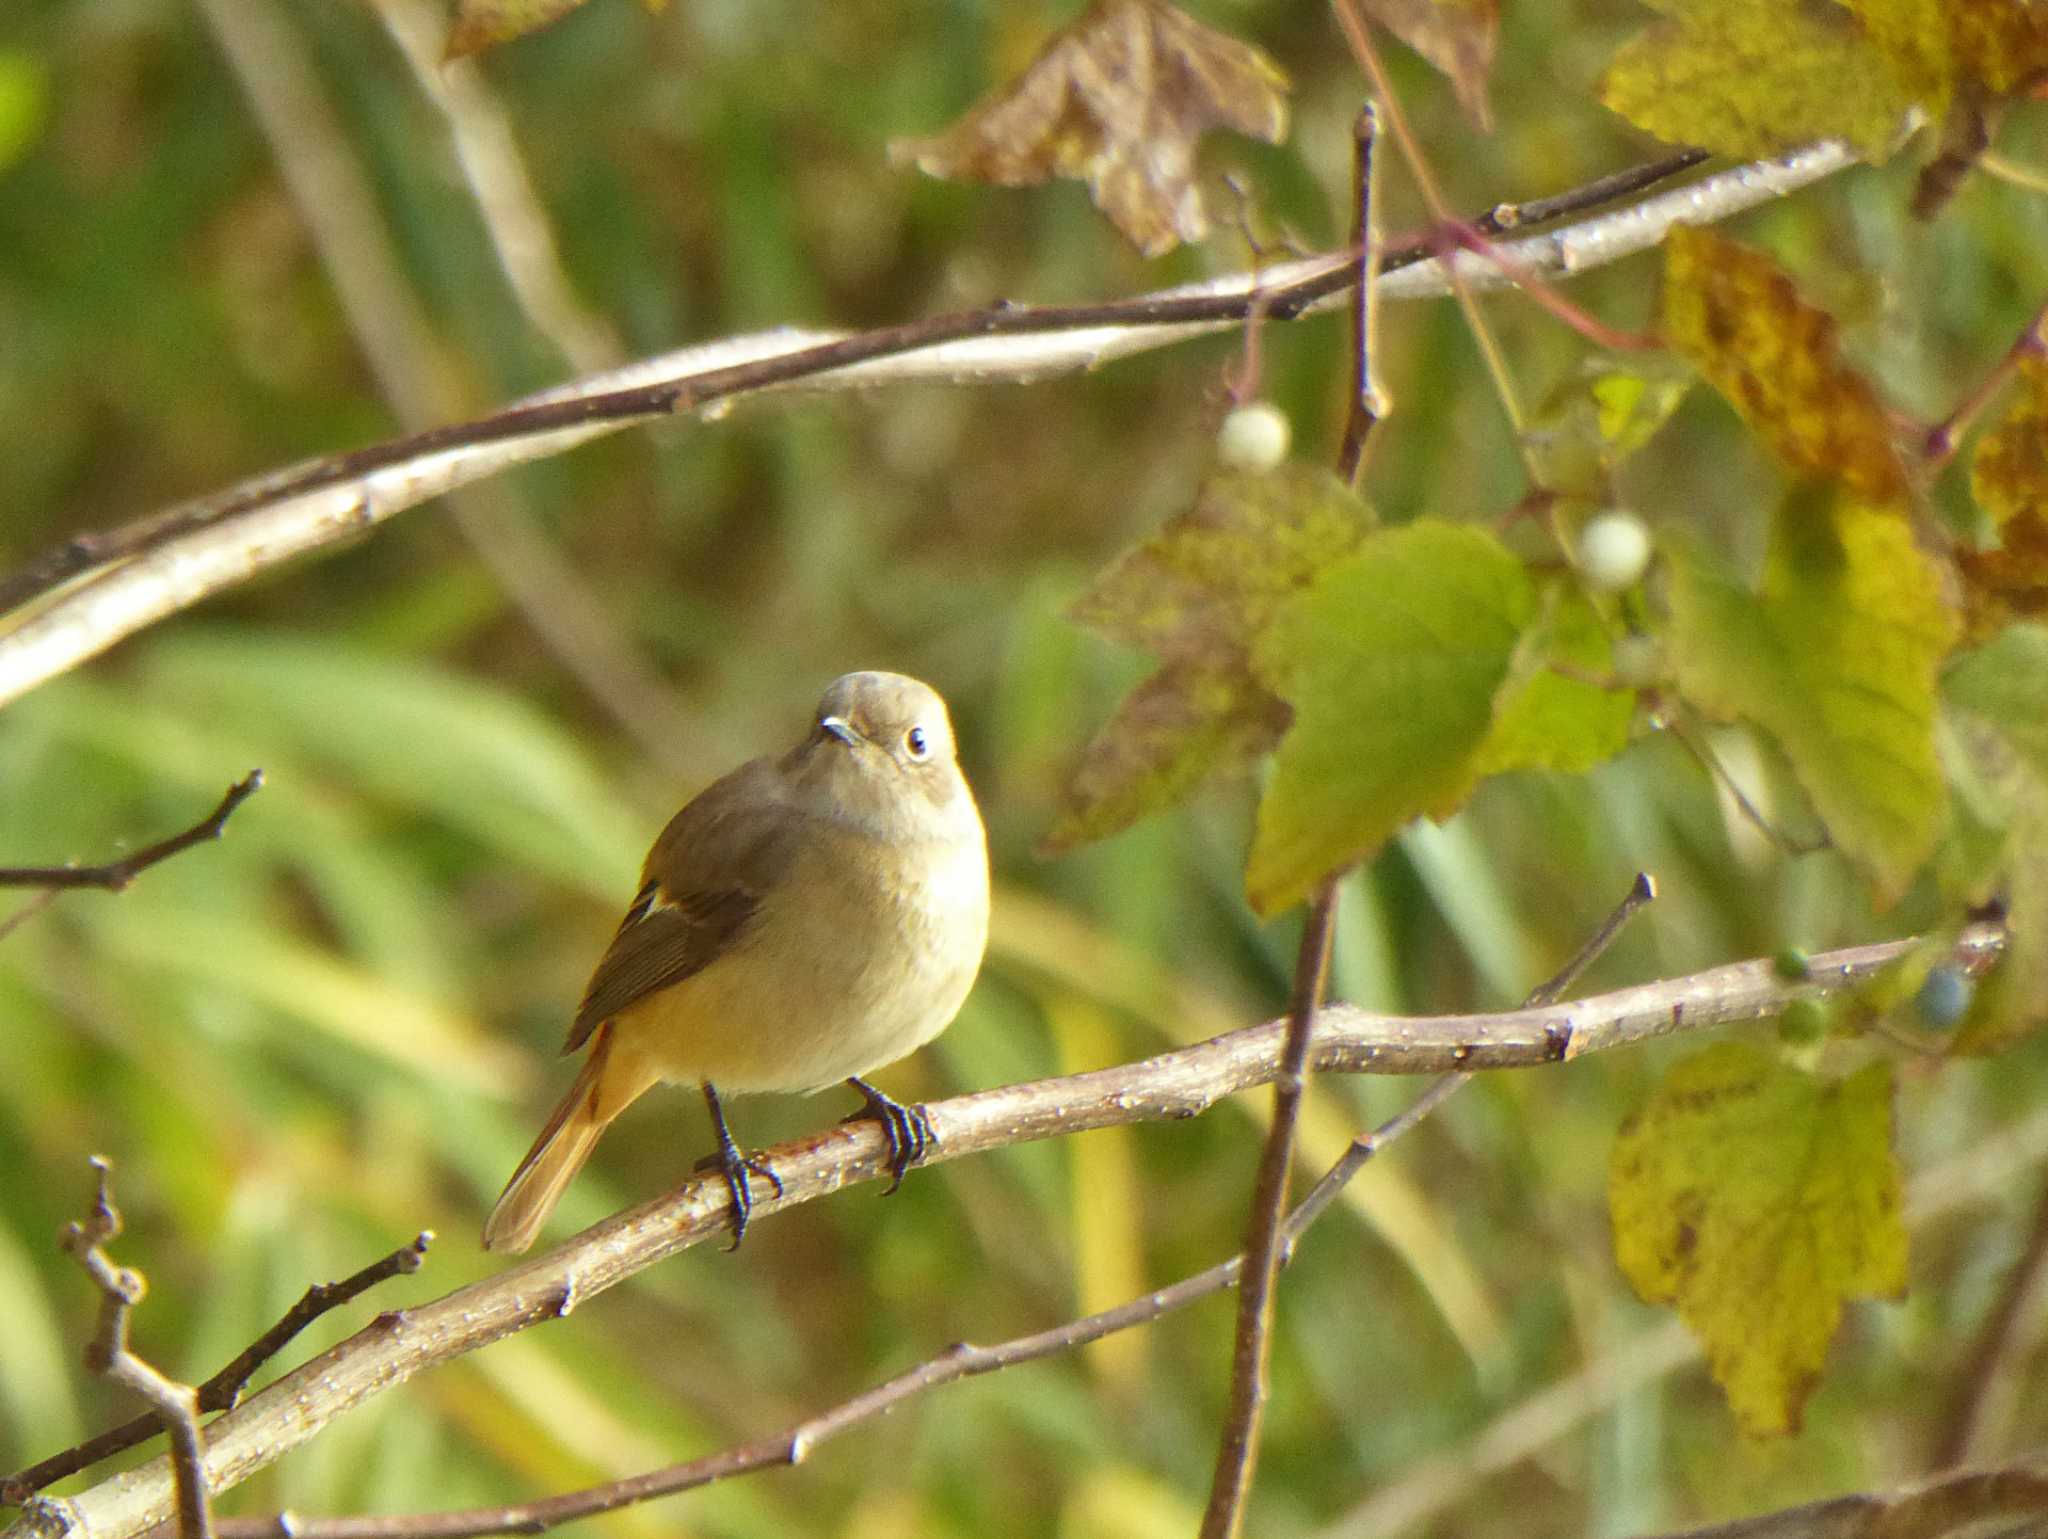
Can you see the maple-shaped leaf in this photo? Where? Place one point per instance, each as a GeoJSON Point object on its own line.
{"type": "Point", "coordinates": [1195, 595]}
{"type": "Point", "coordinates": [1753, 77]}
{"type": "Point", "coordinates": [1457, 36]}
{"type": "Point", "coordinates": [1119, 100]}
{"type": "Point", "coordinates": [1836, 656]}
{"type": "Point", "coordinates": [1997, 698]}
{"type": "Point", "coordinates": [2009, 477]}
{"type": "Point", "coordinates": [1777, 359]}
{"type": "Point", "coordinates": [1392, 663]}
{"type": "Point", "coordinates": [1757, 1198]}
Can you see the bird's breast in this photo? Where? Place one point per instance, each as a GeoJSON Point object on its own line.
{"type": "Point", "coordinates": [863, 952]}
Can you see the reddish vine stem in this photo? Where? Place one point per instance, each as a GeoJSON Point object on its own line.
{"type": "Point", "coordinates": [1943, 439]}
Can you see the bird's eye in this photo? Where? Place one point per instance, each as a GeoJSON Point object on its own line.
{"type": "Point", "coordinates": [915, 744]}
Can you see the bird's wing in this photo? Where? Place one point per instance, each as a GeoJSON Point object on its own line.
{"type": "Point", "coordinates": [704, 884]}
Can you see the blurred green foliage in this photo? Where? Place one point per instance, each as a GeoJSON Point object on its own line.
{"type": "Point", "coordinates": [336, 1027]}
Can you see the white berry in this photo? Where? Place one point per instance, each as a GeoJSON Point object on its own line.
{"type": "Point", "coordinates": [1254, 437]}
{"type": "Point", "coordinates": [1614, 550]}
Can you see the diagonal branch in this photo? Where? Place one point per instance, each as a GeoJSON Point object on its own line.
{"type": "Point", "coordinates": [793, 1445]}
{"type": "Point", "coordinates": [95, 589]}
{"type": "Point", "coordinates": [1175, 1085]}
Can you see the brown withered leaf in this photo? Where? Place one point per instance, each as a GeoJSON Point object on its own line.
{"type": "Point", "coordinates": [1457, 36]}
{"type": "Point", "coordinates": [1118, 100]}
{"type": "Point", "coordinates": [2009, 478]}
{"type": "Point", "coordinates": [1739, 318]}
{"type": "Point", "coordinates": [1195, 595]}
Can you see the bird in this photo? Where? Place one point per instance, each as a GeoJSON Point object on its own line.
{"type": "Point", "coordinates": [801, 922]}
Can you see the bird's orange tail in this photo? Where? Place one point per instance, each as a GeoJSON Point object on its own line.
{"type": "Point", "coordinates": [601, 1092]}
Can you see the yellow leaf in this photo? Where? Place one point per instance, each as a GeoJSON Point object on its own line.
{"type": "Point", "coordinates": [1736, 314]}
{"type": "Point", "coordinates": [1753, 77]}
{"type": "Point", "coordinates": [1756, 1199]}
{"type": "Point", "coordinates": [2009, 477]}
{"type": "Point", "coordinates": [1836, 657]}
{"type": "Point", "coordinates": [1118, 100]}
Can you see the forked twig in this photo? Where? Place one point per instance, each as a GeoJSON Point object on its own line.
{"type": "Point", "coordinates": [224, 1389]}
{"type": "Point", "coordinates": [107, 1354]}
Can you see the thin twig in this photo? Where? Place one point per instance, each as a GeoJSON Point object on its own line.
{"type": "Point", "coordinates": [1237, 1452]}
{"type": "Point", "coordinates": [115, 875]}
{"type": "Point", "coordinates": [107, 1354]}
{"type": "Point", "coordinates": [224, 1390]}
{"type": "Point", "coordinates": [120, 581]}
{"type": "Point", "coordinates": [1170, 1086]}
{"type": "Point", "coordinates": [1719, 773]}
{"type": "Point", "coordinates": [1970, 1402]}
{"type": "Point", "coordinates": [1365, 405]}
{"type": "Point", "coordinates": [1351, 21]}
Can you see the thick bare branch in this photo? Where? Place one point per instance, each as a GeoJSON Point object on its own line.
{"type": "Point", "coordinates": [1178, 1084]}
{"type": "Point", "coordinates": [96, 589]}
{"type": "Point", "coordinates": [963, 1360]}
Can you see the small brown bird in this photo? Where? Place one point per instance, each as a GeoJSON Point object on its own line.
{"type": "Point", "coordinates": [802, 921]}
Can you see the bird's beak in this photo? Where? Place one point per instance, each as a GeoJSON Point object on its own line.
{"type": "Point", "coordinates": [840, 728]}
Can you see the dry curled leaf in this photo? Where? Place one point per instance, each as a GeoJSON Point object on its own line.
{"type": "Point", "coordinates": [1118, 100]}
{"type": "Point", "coordinates": [1457, 36]}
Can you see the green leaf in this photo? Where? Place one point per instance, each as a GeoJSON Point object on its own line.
{"type": "Point", "coordinates": [1547, 719]}
{"type": "Point", "coordinates": [1392, 663]}
{"type": "Point", "coordinates": [1776, 358]}
{"type": "Point", "coordinates": [1835, 656]}
{"type": "Point", "coordinates": [1756, 1199]}
{"type": "Point", "coordinates": [1195, 594]}
{"type": "Point", "coordinates": [1753, 77]}
{"type": "Point", "coordinates": [1997, 697]}
{"type": "Point", "coordinates": [1599, 417]}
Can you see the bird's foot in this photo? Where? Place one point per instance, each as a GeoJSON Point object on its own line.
{"type": "Point", "coordinates": [735, 1165]}
{"type": "Point", "coordinates": [910, 1131]}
